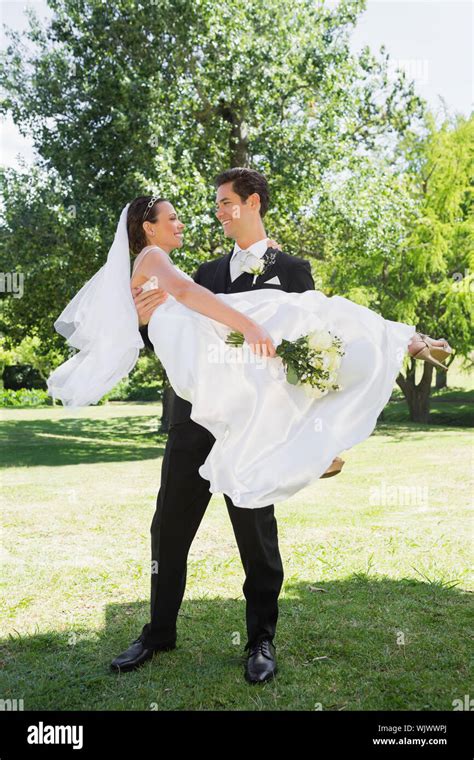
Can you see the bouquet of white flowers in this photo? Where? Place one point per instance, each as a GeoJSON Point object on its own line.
{"type": "Point", "coordinates": [312, 360]}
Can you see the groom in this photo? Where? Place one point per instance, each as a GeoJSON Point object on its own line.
{"type": "Point", "coordinates": [241, 203]}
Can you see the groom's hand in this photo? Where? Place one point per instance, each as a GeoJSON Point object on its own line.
{"type": "Point", "coordinates": [146, 302]}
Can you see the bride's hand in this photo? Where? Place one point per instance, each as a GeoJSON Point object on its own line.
{"type": "Point", "coordinates": [146, 302]}
{"type": "Point", "coordinates": [259, 340]}
{"type": "Point", "coordinates": [273, 244]}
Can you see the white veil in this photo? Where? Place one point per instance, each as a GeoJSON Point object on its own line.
{"type": "Point", "coordinates": [101, 321]}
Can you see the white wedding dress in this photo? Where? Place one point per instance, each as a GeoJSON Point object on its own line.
{"type": "Point", "coordinates": [272, 439]}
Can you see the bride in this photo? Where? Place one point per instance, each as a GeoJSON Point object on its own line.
{"type": "Point", "coordinates": [272, 437]}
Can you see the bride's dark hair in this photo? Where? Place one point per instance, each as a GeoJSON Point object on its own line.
{"type": "Point", "coordinates": [141, 210]}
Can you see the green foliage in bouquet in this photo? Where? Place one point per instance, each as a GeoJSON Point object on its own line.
{"type": "Point", "coordinates": [312, 360]}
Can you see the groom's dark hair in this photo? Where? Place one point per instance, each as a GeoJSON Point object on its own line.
{"type": "Point", "coordinates": [244, 183]}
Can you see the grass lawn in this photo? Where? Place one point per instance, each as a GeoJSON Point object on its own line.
{"type": "Point", "coordinates": [375, 603]}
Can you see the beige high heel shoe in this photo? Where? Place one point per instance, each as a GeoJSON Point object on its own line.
{"type": "Point", "coordinates": [334, 468]}
{"type": "Point", "coordinates": [433, 354]}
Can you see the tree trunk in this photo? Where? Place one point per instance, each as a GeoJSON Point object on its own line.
{"type": "Point", "coordinates": [417, 396]}
{"type": "Point", "coordinates": [238, 138]}
{"type": "Point", "coordinates": [441, 379]}
{"type": "Point", "coordinates": [238, 144]}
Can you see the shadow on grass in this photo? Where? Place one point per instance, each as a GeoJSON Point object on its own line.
{"type": "Point", "coordinates": [362, 643]}
{"type": "Point", "coordinates": [448, 408]}
{"type": "Point", "coordinates": [26, 443]}
{"type": "Point", "coordinates": [29, 443]}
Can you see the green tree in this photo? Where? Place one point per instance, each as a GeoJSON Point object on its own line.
{"type": "Point", "coordinates": [439, 279]}
{"type": "Point", "coordinates": [398, 237]}
{"type": "Point", "coordinates": [130, 97]}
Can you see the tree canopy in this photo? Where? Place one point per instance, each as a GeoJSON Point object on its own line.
{"type": "Point", "coordinates": [124, 98]}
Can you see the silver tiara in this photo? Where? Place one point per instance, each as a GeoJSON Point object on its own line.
{"type": "Point", "coordinates": [150, 205]}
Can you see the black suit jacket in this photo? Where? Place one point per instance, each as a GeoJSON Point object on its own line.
{"type": "Point", "coordinates": [293, 272]}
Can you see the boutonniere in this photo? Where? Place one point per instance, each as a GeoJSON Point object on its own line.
{"type": "Point", "coordinates": [258, 265]}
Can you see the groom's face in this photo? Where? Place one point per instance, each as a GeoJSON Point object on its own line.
{"type": "Point", "coordinates": [235, 214]}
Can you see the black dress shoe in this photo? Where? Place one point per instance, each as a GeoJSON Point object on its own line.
{"type": "Point", "coordinates": [261, 663]}
{"type": "Point", "coordinates": [136, 655]}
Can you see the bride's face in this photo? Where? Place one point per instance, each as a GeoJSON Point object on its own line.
{"type": "Point", "coordinates": [167, 231]}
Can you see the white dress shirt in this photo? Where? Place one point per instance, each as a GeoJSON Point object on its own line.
{"type": "Point", "coordinates": [258, 249]}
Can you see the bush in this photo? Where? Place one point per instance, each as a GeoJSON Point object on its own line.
{"type": "Point", "coordinates": [125, 390]}
{"type": "Point", "coordinates": [21, 376]}
{"type": "Point", "coordinates": [143, 384]}
{"type": "Point", "coordinates": [25, 397]}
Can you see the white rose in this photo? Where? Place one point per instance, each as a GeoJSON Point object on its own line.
{"type": "Point", "coordinates": [314, 392]}
{"type": "Point", "coordinates": [319, 339]}
{"type": "Point", "coordinates": [334, 362]}
{"type": "Point", "coordinates": [252, 264]}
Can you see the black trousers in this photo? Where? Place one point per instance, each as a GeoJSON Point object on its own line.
{"type": "Point", "coordinates": [182, 501]}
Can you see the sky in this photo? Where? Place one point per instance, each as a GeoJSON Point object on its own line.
{"type": "Point", "coordinates": [432, 40]}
